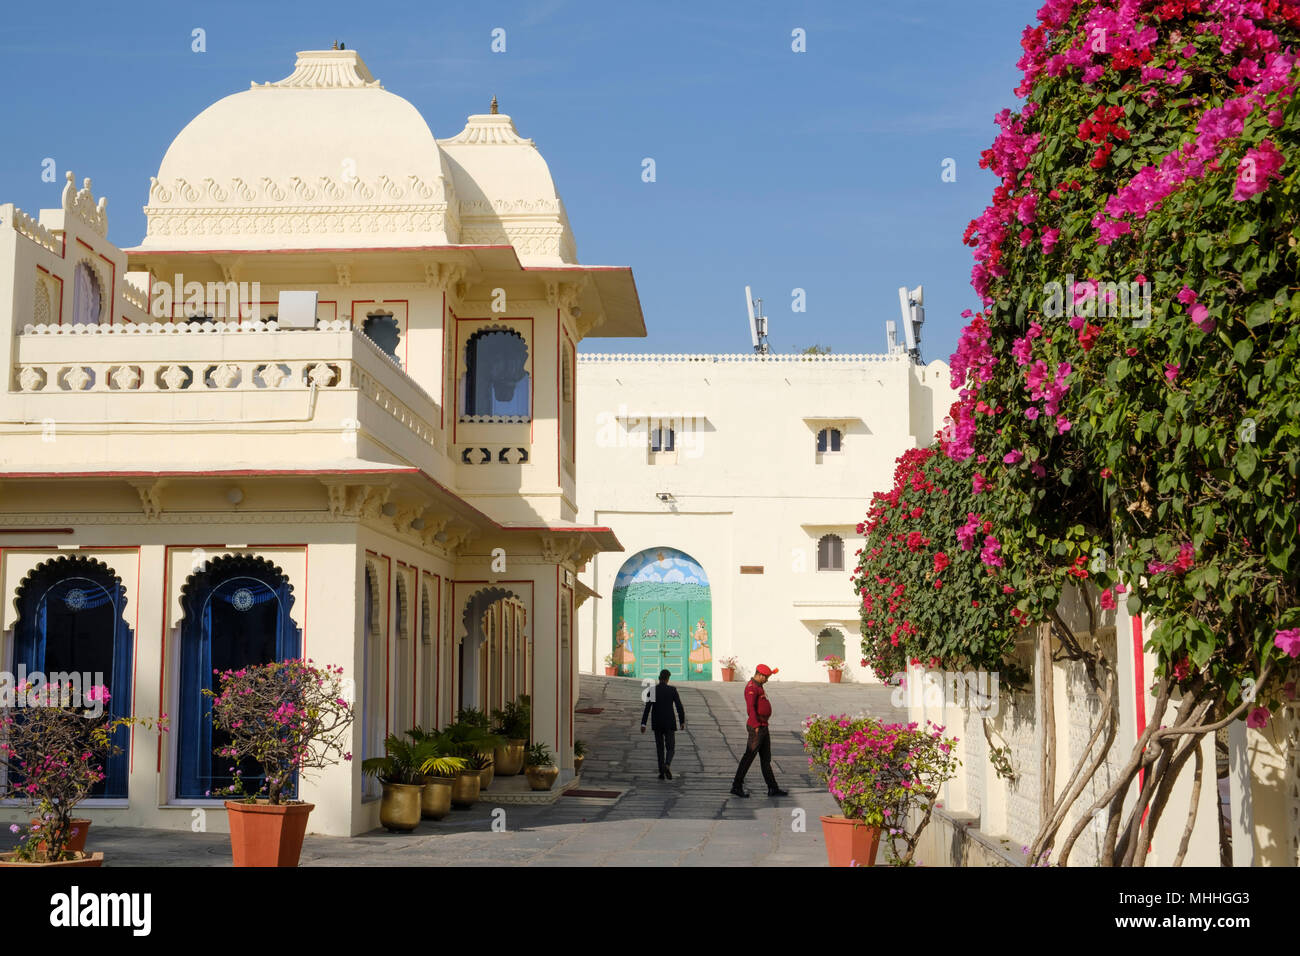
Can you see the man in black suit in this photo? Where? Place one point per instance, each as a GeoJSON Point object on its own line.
{"type": "Point", "coordinates": [663, 697]}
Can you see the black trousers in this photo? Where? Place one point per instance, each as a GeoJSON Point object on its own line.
{"type": "Point", "coordinates": [759, 745]}
{"type": "Point", "coordinates": [664, 741]}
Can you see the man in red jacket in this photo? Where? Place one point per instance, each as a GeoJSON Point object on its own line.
{"type": "Point", "coordinates": [759, 742]}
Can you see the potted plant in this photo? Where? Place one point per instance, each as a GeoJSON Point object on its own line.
{"type": "Point", "coordinates": [468, 739]}
{"type": "Point", "coordinates": [611, 668]}
{"type": "Point", "coordinates": [402, 771]}
{"type": "Point", "coordinates": [579, 755]}
{"type": "Point", "coordinates": [440, 768]}
{"type": "Point", "coordinates": [481, 763]}
{"type": "Point", "coordinates": [291, 718]}
{"type": "Point", "coordinates": [57, 741]}
{"type": "Point", "coordinates": [514, 723]}
{"type": "Point", "coordinates": [539, 768]}
{"type": "Point", "coordinates": [834, 667]}
{"type": "Point", "coordinates": [883, 776]}
{"type": "Point", "coordinates": [465, 789]}
{"type": "Point", "coordinates": [728, 667]}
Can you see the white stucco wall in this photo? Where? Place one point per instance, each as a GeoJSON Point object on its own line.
{"type": "Point", "coordinates": [747, 485]}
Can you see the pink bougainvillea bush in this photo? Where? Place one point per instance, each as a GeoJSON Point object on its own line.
{"type": "Point", "coordinates": [886, 775]}
{"type": "Point", "coordinates": [930, 577]}
{"type": "Point", "coordinates": [1129, 418]}
{"type": "Point", "coordinates": [55, 747]}
{"type": "Point", "coordinates": [288, 716]}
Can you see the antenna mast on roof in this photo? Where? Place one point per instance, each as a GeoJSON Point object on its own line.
{"type": "Point", "coordinates": [912, 306]}
{"type": "Point", "coordinates": [757, 322]}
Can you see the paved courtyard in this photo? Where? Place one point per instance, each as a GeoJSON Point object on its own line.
{"type": "Point", "coordinates": [689, 821]}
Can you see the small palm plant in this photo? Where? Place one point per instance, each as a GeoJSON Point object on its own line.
{"type": "Point", "coordinates": [433, 755]}
{"type": "Point", "coordinates": [538, 755]}
{"type": "Point", "coordinates": [410, 761]}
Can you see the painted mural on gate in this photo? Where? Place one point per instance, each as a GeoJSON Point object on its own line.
{"type": "Point", "coordinates": [663, 616]}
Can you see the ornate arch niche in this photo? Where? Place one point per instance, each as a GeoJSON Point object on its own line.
{"type": "Point", "coordinates": [403, 668]}
{"type": "Point", "coordinates": [236, 610]}
{"type": "Point", "coordinates": [496, 380]}
{"type": "Point", "coordinates": [71, 619]}
{"type": "Point", "coordinates": [372, 692]}
{"type": "Point", "coordinates": [502, 648]}
{"type": "Point", "coordinates": [87, 294]}
{"type": "Point", "coordinates": [830, 639]}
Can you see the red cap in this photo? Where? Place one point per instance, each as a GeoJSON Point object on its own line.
{"type": "Point", "coordinates": [764, 670]}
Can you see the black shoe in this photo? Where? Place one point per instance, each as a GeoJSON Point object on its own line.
{"type": "Point", "coordinates": [661, 774]}
{"type": "Point", "coordinates": [739, 792]}
{"type": "Point", "coordinates": [668, 772]}
{"type": "Point", "coordinates": [778, 792]}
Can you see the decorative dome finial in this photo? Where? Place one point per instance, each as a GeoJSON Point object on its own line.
{"type": "Point", "coordinates": [493, 108]}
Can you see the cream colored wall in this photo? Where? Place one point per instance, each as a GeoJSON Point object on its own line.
{"type": "Point", "coordinates": [748, 486]}
{"type": "Point", "coordinates": [1010, 808]}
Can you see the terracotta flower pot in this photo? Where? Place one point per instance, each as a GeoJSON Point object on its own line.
{"type": "Point", "coordinates": [435, 802]}
{"type": "Point", "coordinates": [80, 830]}
{"type": "Point", "coordinates": [86, 859]}
{"type": "Point", "coordinates": [509, 760]}
{"type": "Point", "coordinates": [728, 674]}
{"type": "Point", "coordinates": [611, 671]}
{"type": "Point", "coordinates": [542, 778]}
{"type": "Point", "coordinates": [399, 810]}
{"type": "Point", "coordinates": [464, 791]}
{"type": "Point", "coordinates": [266, 835]}
{"type": "Point", "coordinates": [850, 842]}
{"type": "Point", "coordinates": [835, 676]}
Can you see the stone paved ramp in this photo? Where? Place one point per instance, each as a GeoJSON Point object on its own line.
{"type": "Point", "coordinates": [689, 821]}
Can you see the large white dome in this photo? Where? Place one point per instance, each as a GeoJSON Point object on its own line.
{"type": "Point", "coordinates": [325, 158]}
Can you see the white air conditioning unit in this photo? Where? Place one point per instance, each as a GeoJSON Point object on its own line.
{"type": "Point", "coordinates": [296, 310]}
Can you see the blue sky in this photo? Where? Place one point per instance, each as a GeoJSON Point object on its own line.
{"type": "Point", "coordinates": [781, 170]}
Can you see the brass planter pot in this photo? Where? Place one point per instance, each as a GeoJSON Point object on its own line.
{"type": "Point", "coordinates": [577, 764]}
{"type": "Point", "coordinates": [399, 810]}
{"type": "Point", "coordinates": [465, 789]}
{"type": "Point", "coordinates": [509, 760]}
{"type": "Point", "coordinates": [486, 776]}
{"type": "Point", "coordinates": [435, 802]}
{"type": "Point", "coordinates": [542, 778]}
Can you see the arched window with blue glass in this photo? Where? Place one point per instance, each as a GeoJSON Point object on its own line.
{"type": "Point", "coordinates": [71, 622]}
{"type": "Point", "coordinates": [237, 612]}
{"type": "Point", "coordinates": [496, 382]}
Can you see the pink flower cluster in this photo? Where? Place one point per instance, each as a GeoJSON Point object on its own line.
{"type": "Point", "coordinates": [1153, 184]}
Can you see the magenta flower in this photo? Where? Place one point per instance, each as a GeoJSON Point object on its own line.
{"type": "Point", "coordinates": [1201, 317]}
{"type": "Point", "coordinates": [1171, 371]}
{"type": "Point", "coordinates": [1255, 170]}
{"type": "Point", "coordinates": [1288, 642]}
{"type": "Point", "coordinates": [1258, 717]}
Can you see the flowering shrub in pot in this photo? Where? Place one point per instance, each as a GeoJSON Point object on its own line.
{"type": "Point", "coordinates": [882, 775]}
{"type": "Point", "coordinates": [56, 746]}
{"type": "Point", "coordinates": [728, 667]}
{"type": "Point", "coordinates": [290, 717]}
{"type": "Point", "coordinates": [834, 668]}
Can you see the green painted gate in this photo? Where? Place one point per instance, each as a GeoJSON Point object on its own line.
{"type": "Point", "coordinates": [663, 617]}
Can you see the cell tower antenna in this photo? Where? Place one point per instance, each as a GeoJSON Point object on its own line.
{"type": "Point", "coordinates": [912, 305]}
{"type": "Point", "coordinates": [757, 322]}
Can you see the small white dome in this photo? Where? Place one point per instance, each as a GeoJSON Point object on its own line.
{"type": "Point", "coordinates": [323, 158]}
{"type": "Point", "coordinates": [506, 192]}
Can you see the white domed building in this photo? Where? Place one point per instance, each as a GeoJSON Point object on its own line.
{"type": "Point", "coordinates": [325, 409]}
